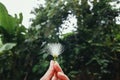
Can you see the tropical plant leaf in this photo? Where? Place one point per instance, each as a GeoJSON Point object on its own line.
{"type": "Point", "coordinates": [7, 46]}
{"type": "Point", "coordinates": [7, 21]}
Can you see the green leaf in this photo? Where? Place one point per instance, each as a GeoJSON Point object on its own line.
{"type": "Point", "coordinates": [45, 56]}
{"type": "Point", "coordinates": [7, 21]}
{"type": "Point", "coordinates": [36, 68]}
{"type": "Point", "coordinates": [21, 18]}
{"type": "Point", "coordinates": [7, 46]}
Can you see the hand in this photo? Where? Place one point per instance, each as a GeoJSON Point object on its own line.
{"type": "Point", "coordinates": [59, 74]}
{"type": "Point", "coordinates": [54, 72]}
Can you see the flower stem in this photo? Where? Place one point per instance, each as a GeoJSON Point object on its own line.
{"type": "Point", "coordinates": [55, 58]}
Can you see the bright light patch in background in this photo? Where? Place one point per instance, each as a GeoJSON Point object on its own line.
{"type": "Point", "coordinates": [69, 25]}
{"type": "Point", "coordinates": [26, 6]}
{"type": "Point", "coordinates": [21, 6]}
{"type": "Point", "coordinates": [116, 5]}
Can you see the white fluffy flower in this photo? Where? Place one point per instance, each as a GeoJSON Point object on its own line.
{"type": "Point", "coordinates": [55, 49]}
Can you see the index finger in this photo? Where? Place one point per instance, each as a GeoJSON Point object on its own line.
{"type": "Point", "coordinates": [57, 67]}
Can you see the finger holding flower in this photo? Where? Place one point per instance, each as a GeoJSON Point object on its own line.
{"type": "Point", "coordinates": [55, 71]}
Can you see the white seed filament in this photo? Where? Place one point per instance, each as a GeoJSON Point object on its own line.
{"type": "Point", "coordinates": [55, 49]}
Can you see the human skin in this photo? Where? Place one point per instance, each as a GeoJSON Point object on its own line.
{"type": "Point", "coordinates": [54, 72]}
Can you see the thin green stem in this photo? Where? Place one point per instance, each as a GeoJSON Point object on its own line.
{"type": "Point", "coordinates": [55, 58]}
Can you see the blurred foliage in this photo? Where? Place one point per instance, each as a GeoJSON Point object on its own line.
{"type": "Point", "coordinates": [92, 52]}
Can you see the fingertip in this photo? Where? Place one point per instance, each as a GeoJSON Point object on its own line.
{"type": "Point", "coordinates": [52, 62]}
{"type": "Point", "coordinates": [54, 77]}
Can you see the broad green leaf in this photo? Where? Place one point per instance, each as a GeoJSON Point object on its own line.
{"type": "Point", "coordinates": [7, 46]}
{"type": "Point", "coordinates": [6, 21]}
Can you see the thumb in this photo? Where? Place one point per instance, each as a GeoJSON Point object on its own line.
{"type": "Point", "coordinates": [54, 77]}
{"type": "Point", "coordinates": [50, 72]}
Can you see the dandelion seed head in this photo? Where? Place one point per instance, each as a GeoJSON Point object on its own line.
{"type": "Point", "coordinates": [55, 49]}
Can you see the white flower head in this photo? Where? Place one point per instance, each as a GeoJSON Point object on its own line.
{"type": "Point", "coordinates": [55, 49]}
